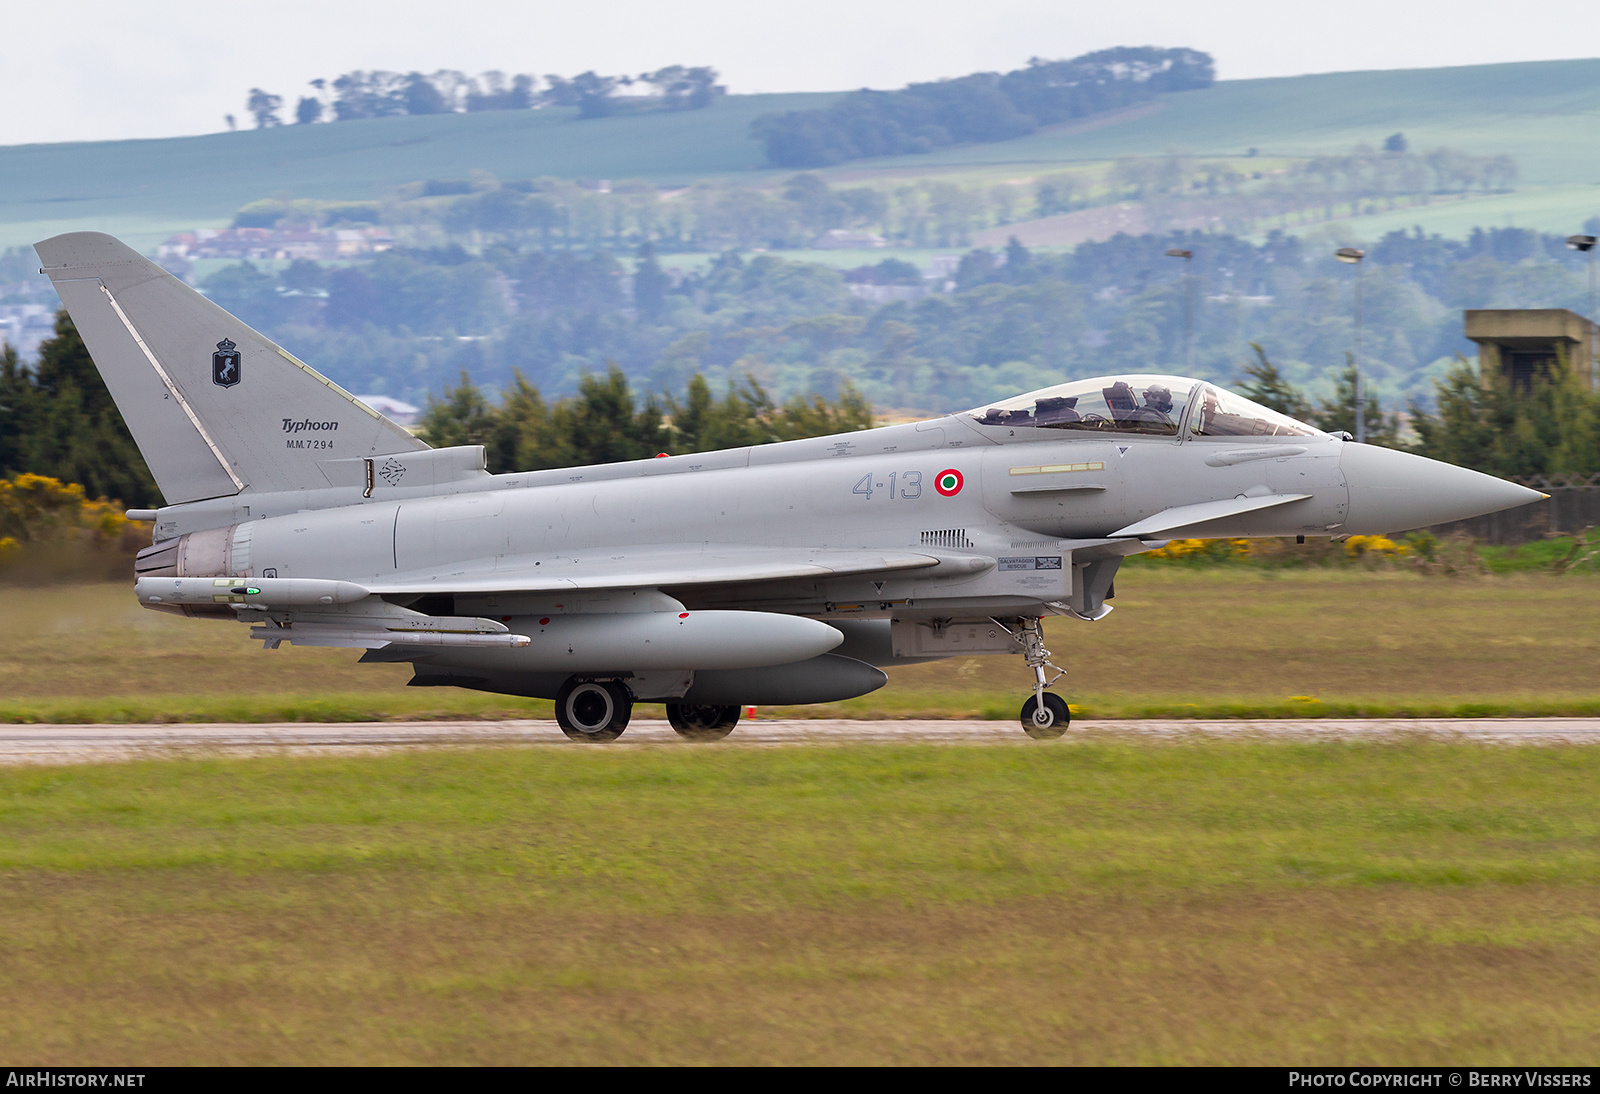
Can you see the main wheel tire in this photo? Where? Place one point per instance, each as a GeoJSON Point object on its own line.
{"type": "Point", "coordinates": [1048, 722]}
{"type": "Point", "coordinates": [698, 722]}
{"type": "Point", "coordinates": [593, 710]}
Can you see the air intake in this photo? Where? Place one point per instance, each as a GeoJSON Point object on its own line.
{"type": "Point", "coordinates": [947, 537]}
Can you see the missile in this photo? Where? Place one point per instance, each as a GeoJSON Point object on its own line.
{"type": "Point", "coordinates": [642, 641]}
{"type": "Point", "coordinates": [260, 592]}
{"type": "Point", "coordinates": [377, 637]}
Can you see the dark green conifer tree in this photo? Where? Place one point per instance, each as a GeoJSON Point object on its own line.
{"type": "Point", "coordinates": [59, 420]}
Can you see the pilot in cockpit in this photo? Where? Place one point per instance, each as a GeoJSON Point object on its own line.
{"type": "Point", "coordinates": [1157, 405]}
{"type": "Point", "coordinates": [1155, 410]}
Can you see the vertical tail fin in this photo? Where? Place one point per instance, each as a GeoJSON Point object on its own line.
{"type": "Point", "coordinates": [215, 407]}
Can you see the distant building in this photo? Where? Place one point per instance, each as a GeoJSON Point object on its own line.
{"type": "Point", "coordinates": [885, 294]}
{"type": "Point", "coordinates": [847, 239]}
{"type": "Point", "coordinates": [393, 409]}
{"type": "Point", "coordinates": [259, 244]}
{"type": "Point", "coordinates": [359, 242]}
{"type": "Point", "coordinates": [890, 281]}
{"type": "Point", "coordinates": [1247, 299]}
{"type": "Point", "coordinates": [1520, 343]}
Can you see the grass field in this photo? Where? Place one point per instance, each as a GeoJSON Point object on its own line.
{"type": "Point", "coordinates": [130, 187]}
{"type": "Point", "coordinates": [1183, 641]}
{"type": "Point", "coordinates": [145, 190]}
{"type": "Point", "coordinates": [1529, 111]}
{"type": "Point", "coordinates": [1224, 902]}
{"type": "Point", "coordinates": [1554, 209]}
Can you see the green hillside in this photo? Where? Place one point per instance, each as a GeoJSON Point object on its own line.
{"type": "Point", "coordinates": [1540, 113]}
{"type": "Point", "coordinates": [145, 190]}
{"type": "Point", "coordinates": [1558, 210]}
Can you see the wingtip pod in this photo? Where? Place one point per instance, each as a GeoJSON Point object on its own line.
{"type": "Point", "coordinates": [1394, 491]}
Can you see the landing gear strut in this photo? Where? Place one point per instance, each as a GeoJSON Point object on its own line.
{"type": "Point", "coordinates": [1045, 715]}
{"type": "Point", "coordinates": [697, 722]}
{"type": "Point", "coordinates": [593, 710]}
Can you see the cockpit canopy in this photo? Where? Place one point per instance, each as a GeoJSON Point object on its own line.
{"type": "Point", "coordinates": [1142, 403]}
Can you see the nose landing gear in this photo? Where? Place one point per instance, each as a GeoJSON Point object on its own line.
{"type": "Point", "coordinates": [1045, 715]}
{"type": "Point", "coordinates": [1048, 720]}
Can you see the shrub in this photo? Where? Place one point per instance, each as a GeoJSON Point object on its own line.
{"type": "Point", "coordinates": [1203, 550]}
{"type": "Point", "coordinates": [50, 531]}
{"type": "Point", "coordinates": [1373, 547]}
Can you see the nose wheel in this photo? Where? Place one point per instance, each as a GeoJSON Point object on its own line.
{"type": "Point", "coordinates": [1047, 720]}
{"type": "Point", "coordinates": [593, 710]}
{"type": "Point", "coordinates": [1045, 715]}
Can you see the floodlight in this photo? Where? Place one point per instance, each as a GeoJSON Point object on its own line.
{"type": "Point", "coordinates": [1581, 243]}
{"type": "Point", "coordinates": [1349, 254]}
{"type": "Point", "coordinates": [1188, 306]}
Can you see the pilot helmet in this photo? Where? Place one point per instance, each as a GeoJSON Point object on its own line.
{"type": "Point", "coordinates": [1158, 397]}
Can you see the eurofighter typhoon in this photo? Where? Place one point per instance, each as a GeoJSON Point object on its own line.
{"type": "Point", "coordinates": [780, 574]}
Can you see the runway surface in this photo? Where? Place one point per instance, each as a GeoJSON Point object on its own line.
{"type": "Point", "coordinates": [58, 744]}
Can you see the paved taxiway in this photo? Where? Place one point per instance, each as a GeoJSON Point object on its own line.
{"type": "Point", "coordinates": [56, 744]}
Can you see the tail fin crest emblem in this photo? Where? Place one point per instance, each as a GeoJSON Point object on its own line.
{"type": "Point", "coordinates": [225, 365]}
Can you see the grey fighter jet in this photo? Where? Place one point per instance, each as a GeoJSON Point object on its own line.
{"type": "Point", "coordinates": [779, 574]}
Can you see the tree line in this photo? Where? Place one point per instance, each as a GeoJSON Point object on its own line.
{"type": "Point", "coordinates": [981, 107]}
{"type": "Point", "coordinates": [380, 94]}
{"type": "Point", "coordinates": [606, 422]}
{"type": "Point", "coordinates": [1176, 188]}
{"type": "Point", "coordinates": [59, 425]}
{"type": "Point", "coordinates": [1479, 420]}
{"type": "Point", "coordinates": [57, 419]}
{"type": "Point", "coordinates": [1550, 428]}
{"type": "Point", "coordinates": [408, 321]}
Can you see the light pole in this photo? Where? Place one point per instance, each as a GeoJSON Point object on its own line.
{"type": "Point", "coordinates": [1354, 257]}
{"type": "Point", "coordinates": [1188, 308]}
{"type": "Point", "coordinates": [1586, 244]}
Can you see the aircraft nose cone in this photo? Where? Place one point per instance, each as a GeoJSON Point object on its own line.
{"type": "Point", "coordinates": [1393, 491]}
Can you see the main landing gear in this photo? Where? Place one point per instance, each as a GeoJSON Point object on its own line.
{"type": "Point", "coordinates": [593, 710]}
{"type": "Point", "coordinates": [1045, 715]}
{"type": "Point", "coordinates": [598, 710]}
{"type": "Point", "coordinates": [696, 722]}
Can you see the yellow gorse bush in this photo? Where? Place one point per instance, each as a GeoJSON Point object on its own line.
{"type": "Point", "coordinates": [38, 508]}
{"type": "Point", "coordinates": [1360, 546]}
{"type": "Point", "coordinates": [1192, 548]}
{"type": "Point", "coordinates": [1179, 548]}
{"type": "Point", "coordinates": [1367, 550]}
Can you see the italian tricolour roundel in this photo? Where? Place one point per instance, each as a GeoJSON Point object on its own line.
{"type": "Point", "coordinates": [948, 482]}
